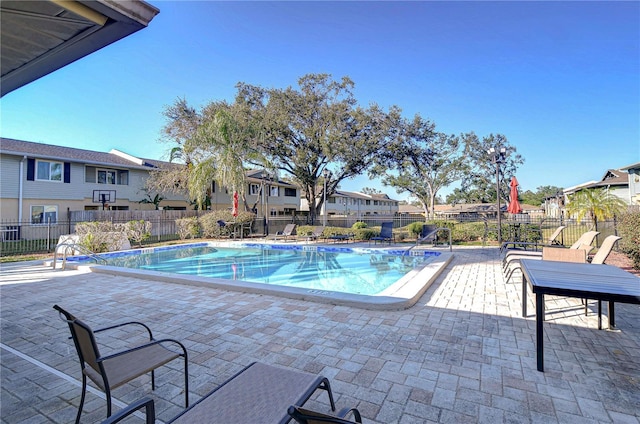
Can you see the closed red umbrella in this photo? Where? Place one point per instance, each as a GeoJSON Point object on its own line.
{"type": "Point", "coordinates": [234, 211]}
{"type": "Point", "coordinates": [514, 205]}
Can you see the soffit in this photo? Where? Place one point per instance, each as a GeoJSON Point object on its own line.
{"type": "Point", "coordinates": [40, 36]}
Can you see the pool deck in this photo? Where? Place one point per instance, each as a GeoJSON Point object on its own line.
{"type": "Point", "coordinates": [462, 353]}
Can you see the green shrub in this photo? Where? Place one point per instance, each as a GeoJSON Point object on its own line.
{"type": "Point", "coordinates": [467, 231]}
{"type": "Point", "coordinates": [102, 236]}
{"type": "Point", "coordinates": [629, 226]}
{"type": "Point", "coordinates": [188, 228]}
{"type": "Point", "coordinates": [138, 231]}
{"type": "Point", "coordinates": [415, 228]}
{"type": "Point", "coordinates": [364, 233]}
{"type": "Point", "coordinates": [359, 225]}
{"type": "Point", "coordinates": [210, 228]}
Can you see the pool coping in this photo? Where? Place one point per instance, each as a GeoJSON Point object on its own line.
{"type": "Point", "coordinates": [401, 295]}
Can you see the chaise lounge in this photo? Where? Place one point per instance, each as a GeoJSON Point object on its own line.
{"type": "Point", "coordinates": [259, 393]}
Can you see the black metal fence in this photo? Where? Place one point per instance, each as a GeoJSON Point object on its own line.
{"type": "Point", "coordinates": [27, 238]}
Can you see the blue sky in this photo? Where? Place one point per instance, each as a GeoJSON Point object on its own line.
{"type": "Point", "coordinates": [561, 80]}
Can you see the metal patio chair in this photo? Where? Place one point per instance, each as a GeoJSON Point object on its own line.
{"type": "Point", "coordinates": [306, 416]}
{"type": "Point", "coordinates": [113, 370]}
{"type": "Point", "coordinates": [386, 233]}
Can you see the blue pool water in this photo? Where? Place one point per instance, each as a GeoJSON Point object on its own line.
{"type": "Point", "coordinates": [335, 269]}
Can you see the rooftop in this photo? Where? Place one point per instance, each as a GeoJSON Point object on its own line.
{"type": "Point", "coordinates": [463, 353]}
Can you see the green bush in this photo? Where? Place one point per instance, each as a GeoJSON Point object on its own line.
{"type": "Point", "coordinates": [188, 228]}
{"type": "Point", "coordinates": [629, 226]}
{"type": "Point", "coordinates": [467, 231]}
{"type": "Point", "coordinates": [364, 233]}
{"type": "Point", "coordinates": [102, 236]}
{"type": "Point", "coordinates": [415, 228]}
{"type": "Point", "coordinates": [138, 231]}
{"type": "Point", "coordinates": [210, 228]}
{"type": "Point", "coordinates": [359, 225]}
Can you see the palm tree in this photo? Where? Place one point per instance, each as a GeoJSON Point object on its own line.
{"type": "Point", "coordinates": [219, 151]}
{"type": "Point", "coordinates": [596, 204]}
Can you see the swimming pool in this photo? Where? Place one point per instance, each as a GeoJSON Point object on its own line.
{"type": "Point", "coordinates": [342, 275]}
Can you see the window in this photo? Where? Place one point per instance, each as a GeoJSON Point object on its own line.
{"type": "Point", "coordinates": [331, 200]}
{"type": "Point", "coordinates": [49, 171]}
{"type": "Point", "coordinates": [123, 177]}
{"type": "Point", "coordinates": [274, 191]}
{"type": "Point", "coordinates": [106, 176]}
{"type": "Point", "coordinates": [290, 192]}
{"type": "Point", "coordinates": [368, 202]}
{"type": "Point", "coordinates": [254, 189]}
{"type": "Point", "coordinates": [44, 214]}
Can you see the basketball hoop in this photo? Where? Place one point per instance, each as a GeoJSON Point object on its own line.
{"type": "Point", "coordinates": [105, 197]}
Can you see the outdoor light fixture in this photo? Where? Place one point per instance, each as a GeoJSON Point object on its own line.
{"type": "Point", "coordinates": [498, 157]}
{"type": "Point", "coordinates": [327, 174]}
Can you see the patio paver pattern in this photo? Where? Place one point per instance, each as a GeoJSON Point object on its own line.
{"type": "Point", "coordinates": [462, 354]}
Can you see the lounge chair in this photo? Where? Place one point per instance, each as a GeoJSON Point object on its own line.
{"type": "Point", "coordinates": [341, 237]}
{"type": "Point", "coordinates": [306, 416]}
{"type": "Point", "coordinates": [260, 393]}
{"type": "Point", "coordinates": [584, 242]}
{"type": "Point", "coordinates": [289, 230]}
{"type": "Point", "coordinates": [113, 370]}
{"type": "Point", "coordinates": [428, 233]}
{"type": "Point", "coordinates": [551, 241]}
{"type": "Point", "coordinates": [386, 234]}
{"type": "Point", "coordinates": [315, 234]}
{"type": "Point", "coordinates": [605, 249]}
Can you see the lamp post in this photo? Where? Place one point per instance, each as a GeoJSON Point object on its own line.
{"type": "Point", "coordinates": [326, 174]}
{"type": "Point", "coordinates": [498, 157]}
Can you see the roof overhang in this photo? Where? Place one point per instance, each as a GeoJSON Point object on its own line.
{"type": "Point", "coordinates": [40, 36]}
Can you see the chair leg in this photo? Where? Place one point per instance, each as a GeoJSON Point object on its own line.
{"type": "Point", "coordinates": [84, 391]}
{"type": "Point", "coordinates": [153, 380]}
{"type": "Point", "coordinates": [186, 380]}
{"type": "Point", "coordinates": [107, 392]}
{"type": "Point", "coordinates": [326, 386]}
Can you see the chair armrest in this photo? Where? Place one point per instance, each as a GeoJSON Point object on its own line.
{"type": "Point", "coordinates": [356, 414]}
{"type": "Point", "coordinates": [143, 346]}
{"type": "Point", "coordinates": [146, 403]}
{"type": "Point", "coordinates": [111, 327]}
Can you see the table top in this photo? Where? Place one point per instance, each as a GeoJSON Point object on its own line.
{"type": "Point", "coordinates": [582, 279]}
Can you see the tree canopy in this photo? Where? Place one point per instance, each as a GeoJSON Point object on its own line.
{"type": "Point", "coordinates": [314, 128]}
{"type": "Point", "coordinates": [421, 161]}
{"type": "Point", "coordinates": [479, 182]}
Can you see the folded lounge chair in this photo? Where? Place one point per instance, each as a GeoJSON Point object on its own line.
{"type": "Point", "coordinates": [111, 371]}
{"type": "Point", "coordinates": [260, 393]}
{"type": "Point", "coordinates": [386, 233]}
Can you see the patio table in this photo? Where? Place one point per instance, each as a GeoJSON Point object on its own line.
{"type": "Point", "coordinates": [582, 280]}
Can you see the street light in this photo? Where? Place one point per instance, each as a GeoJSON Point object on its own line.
{"type": "Point", "coordinates": [327, 174]}
{"type": "Point", "coordinates": [498, 157]}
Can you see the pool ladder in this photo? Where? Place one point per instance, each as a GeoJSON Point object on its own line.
{"type": "Point", "coordinates": [74, 247]}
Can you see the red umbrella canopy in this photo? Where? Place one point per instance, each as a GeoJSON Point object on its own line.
{"type": "Point", "coordinates": [235, 204]}
{"type": "Point", "coordinates": [514, 205]}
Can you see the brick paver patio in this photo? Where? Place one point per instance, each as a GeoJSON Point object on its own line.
{"type": "Point", "coordinates": [462, 354]}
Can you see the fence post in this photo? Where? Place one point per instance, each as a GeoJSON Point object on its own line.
{"type": "Point", "coordinates": [48, 233]}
